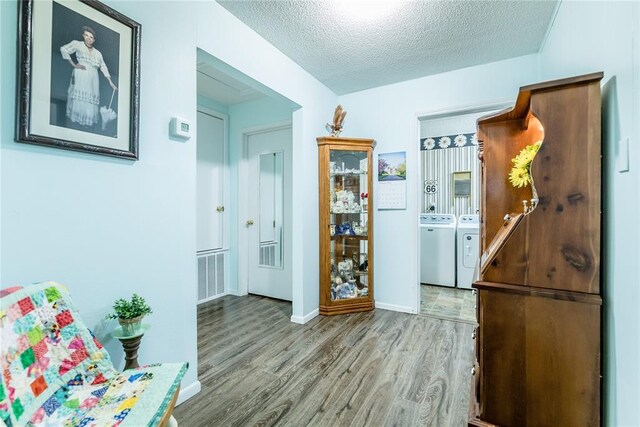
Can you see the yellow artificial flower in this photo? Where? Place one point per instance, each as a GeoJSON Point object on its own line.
{"type": "Point", "coordinates": [520, 175]}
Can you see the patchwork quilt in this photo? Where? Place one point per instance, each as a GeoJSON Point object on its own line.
{"type": "Point", "coordinates": [55, 372]}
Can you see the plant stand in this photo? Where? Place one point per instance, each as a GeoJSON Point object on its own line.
{"type": "Point", "coordinates": [130, 345]}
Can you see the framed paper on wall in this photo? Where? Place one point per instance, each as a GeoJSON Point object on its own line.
{"type": "Point", "coordinates": [392, 180]}
{"type": "Point", "coordinates": [79, 77]}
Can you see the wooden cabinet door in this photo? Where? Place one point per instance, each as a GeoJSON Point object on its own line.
{"type": "Point", "coordinates": [539, 360]}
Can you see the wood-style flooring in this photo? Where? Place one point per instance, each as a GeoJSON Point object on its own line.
{"type": "Point", "coordinates": [378, 368]}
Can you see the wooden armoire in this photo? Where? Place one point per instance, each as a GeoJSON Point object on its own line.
{"type": "Point", "coordinates": [538, 346]}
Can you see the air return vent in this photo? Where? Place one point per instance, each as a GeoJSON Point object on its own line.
{"type": "Point", "coordinates": [268, 254]}
{"type": "Point", "coordinates": [211, 276]}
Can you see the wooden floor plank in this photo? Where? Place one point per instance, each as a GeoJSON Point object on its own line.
{"type": "Point", "coordinates": [403, 413]}
{"type": "Point", "coordinates": [364, 369]}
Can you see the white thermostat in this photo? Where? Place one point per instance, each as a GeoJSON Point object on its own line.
{"type": "Point", "coordinates": [180, 128]}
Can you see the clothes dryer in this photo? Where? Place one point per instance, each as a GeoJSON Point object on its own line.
{"type": "Point", "coordinates": [468, 248]}
{"type": "Point", "coordinates": [438, 249]}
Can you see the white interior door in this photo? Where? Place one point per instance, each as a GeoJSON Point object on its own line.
{"type": "Point", "coordinates": [269, 213]}
{"type": "Point", "coordinates": [210, 182]}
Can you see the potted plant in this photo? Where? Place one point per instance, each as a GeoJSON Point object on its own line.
{"type": "Point", "coordinates": [130, 313]}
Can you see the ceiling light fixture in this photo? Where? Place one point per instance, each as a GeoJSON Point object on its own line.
{"type": "Point", "coordinates": [366, 10]}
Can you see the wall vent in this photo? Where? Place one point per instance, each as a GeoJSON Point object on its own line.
{"type": "Point", "coordinates": [268, 254]}
{"type": "Point", "coordinates": [211, 276]}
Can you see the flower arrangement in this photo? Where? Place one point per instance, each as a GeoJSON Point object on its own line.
{"type": "Point", "coordinates": [520, 175]}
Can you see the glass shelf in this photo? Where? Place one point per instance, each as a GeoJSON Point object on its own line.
{"type": "Point", "coordinates": [334, 174]}
{"type": "Point", "coordinates": [347, 213]}
{"type": "Point", "coordinates": [357, 236]}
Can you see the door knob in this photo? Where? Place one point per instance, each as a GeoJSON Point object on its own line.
{"type": "Point", "coordinates": [249, 223]}
{"type": "Point", "coordinates": [220, 209]}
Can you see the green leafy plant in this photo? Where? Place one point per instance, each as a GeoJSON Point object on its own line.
{"type": "Point", "coordinates": [124, 309]}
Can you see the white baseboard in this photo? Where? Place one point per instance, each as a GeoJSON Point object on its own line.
{"type": "Point", "coordinates": [304, 319]}
{"type": "Point", "coordinates": [235, 293]}
{"type": "Point", "coordinates": [202, 301]}
{"type": "Point", "coordinates": [393, 307]}
{"type": "Point", "coordinates": [188, 392]}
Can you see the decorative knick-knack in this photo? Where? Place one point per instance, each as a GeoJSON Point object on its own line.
{"type": "Point", "coordinates": [338, 118]}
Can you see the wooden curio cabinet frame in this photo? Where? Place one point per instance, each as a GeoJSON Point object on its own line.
{"type": "Point", "coordinates": [538, 347]}
{"type": "Point", "coordinates": [345, 180]}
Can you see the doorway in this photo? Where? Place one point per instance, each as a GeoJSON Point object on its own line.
{"type": "Point", "coordinates": [268, 223]}
{"type": "Point", "coordinates": [450, 184]}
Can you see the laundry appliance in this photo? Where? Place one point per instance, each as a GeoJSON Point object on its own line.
{"type": "Point", "coordinates": [438, 249]}
{"type": "Point", "coordinates": [468, 248]}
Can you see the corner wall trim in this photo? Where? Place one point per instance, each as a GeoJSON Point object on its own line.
{"type": "Point", "coordinates": [393, 307]}
{"type": "Point", "coordinates": [235, 292]}
{"type": "Point", "coordinates": [188, 392]}
{"type": "Point", "coordinates": [304, 319]}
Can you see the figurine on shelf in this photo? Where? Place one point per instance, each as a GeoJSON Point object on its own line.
{"type": "Point", "coordinates": [345, 267]}
{"type": "Point", "coordinates": [345, 229]}
{"type": "Point", "coordinates": [341, 290]}
{"type": "Point", "coordinates": [352, 289]}
{"type": "Point", "coordinates": [338, 118]}
{"type": "Point", "coordinates": [345, 202]}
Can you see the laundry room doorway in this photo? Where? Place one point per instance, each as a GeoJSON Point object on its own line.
{"type": "Point", "coordinates": [449, 200]}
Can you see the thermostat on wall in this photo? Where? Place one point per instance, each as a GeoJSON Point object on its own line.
{"type": "Point", "coordinates": [180, 128]}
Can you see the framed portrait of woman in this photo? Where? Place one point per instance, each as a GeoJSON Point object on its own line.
{"type": "Point", "coordinates": [79, 77]}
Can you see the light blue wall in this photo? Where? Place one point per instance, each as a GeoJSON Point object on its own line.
{"type": "Point", "coordinates": [389, 114]}
{"type": "Point", "coordinates": [108, 227]}
{"type": "Point", "coordinates": [213, 105]}
{"type": "Point", "coordinates": [223, 37]}
{"type": "Point", "coordinates": [265, 111]}
{"type": "Point", "coordinates": [603, 36]}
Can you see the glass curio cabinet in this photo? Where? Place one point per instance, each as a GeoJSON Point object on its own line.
{"type": "Point", "coordinates": [346, 224]}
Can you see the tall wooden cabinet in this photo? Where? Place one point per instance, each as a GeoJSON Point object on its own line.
{"type": "Point", "coordinates": [538, 346]}
{"type": "Point", "coordinates": [346, 224]}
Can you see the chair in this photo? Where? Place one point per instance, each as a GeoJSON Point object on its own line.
{"type": "Point", "coordinates": [55, 372]}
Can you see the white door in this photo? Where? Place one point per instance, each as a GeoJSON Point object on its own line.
{"type": "Point", "coordinates": [210, 180]}
{"type": "Point", "coordinates": [269, 213]}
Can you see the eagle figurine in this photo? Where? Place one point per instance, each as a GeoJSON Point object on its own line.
{"type": "Point", "coordinates": [338, 118]}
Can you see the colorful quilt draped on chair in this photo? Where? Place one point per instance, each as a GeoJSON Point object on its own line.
{"type": "Point", "coordinates": [55, 372]}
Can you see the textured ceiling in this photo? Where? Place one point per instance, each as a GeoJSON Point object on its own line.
{"type": "Point", "coordinates": [418, 38]}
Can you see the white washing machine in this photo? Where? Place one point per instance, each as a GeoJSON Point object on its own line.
{"type": "Point", "coordinates": [468, 249]}
{"type": "Point", "coordinates": [438, 249]}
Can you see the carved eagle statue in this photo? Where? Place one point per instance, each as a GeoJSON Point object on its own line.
{"type": "Point", "coordinates": [338, 118]}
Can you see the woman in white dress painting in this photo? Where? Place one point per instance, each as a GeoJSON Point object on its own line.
{"type": "Point", "coordinates": [83, 95]}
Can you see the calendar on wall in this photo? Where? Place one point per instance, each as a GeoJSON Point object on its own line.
{"type": "Point", "coordinates": [392, 180]}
